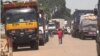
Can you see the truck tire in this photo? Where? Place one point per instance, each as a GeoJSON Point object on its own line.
{"type": "Point", "coordinates": [98, 49]}
{"type": "Point", "coordinates": [42, 42]}
{"type": "Point", "coordinates": [73, 35]}
{"type": "Point", "coordinates": [36, 45]}
{"type": "Point", "coordinates": [94, 38]}
{"type": "Point", "coordinates": [32, 45]}
{"type": "Point", "coordinates": [47, 39]}
{"type": "Point", "coordinates": [82, 36]}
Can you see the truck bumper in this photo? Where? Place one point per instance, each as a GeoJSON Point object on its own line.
{"type": "Point", "coordinates": [24, 39]}
{"type": "Point", "coordinates": [90, 34]}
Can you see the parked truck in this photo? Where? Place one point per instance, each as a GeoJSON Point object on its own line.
{"type": "Point", "coordinates": [60, 22]}
{"type": "Point", "coordinates": [56, 23]}
{"type": "Point", "coordinates": [43, 32]}
{"type": "Point", "coordinates": [21, 23]}
{"type": "Point", "coordinates": [76, 20]}
{"type": "Point", "coordinates": [88, 26]}
{"type": "Point", "coordinates": [97, 12]}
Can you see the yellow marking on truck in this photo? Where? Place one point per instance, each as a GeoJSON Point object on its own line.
{"type": "Point", "coordinates": [24, 25]}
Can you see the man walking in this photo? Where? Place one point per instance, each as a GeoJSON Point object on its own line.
{"type": "Point", "coordinates": [60, 35]}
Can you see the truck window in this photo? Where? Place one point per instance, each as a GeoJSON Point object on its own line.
{"type": "Point", "coordinates": [20, 17]}
{"type": "Point", "coordinates": [51, 25]}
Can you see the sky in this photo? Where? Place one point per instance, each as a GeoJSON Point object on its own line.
{"type": "Point", "coordinates": [81, 4]}
{"type": "Point", "coordinates": [15, 0]}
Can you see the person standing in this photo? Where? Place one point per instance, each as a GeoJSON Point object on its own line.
{"type": "Point", "coordinates": [60, 35]}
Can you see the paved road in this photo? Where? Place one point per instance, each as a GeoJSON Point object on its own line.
{"type": "Point", "coordinates": [70, 47]}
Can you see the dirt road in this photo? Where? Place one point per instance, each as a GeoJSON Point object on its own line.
{"type": "Point", "coordinates": [70, 47]}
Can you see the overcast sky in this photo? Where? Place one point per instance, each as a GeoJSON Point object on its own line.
{"type": "Point", "coordinates": [81, 4]}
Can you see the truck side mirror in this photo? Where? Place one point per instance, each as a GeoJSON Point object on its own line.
{"type": "Point", "coordinates": [95, 11]}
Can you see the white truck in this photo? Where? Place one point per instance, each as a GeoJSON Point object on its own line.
{"type": "Point", "coordinates": [61, 22]}
{"type": "Point", "coordinates": [88, 26]}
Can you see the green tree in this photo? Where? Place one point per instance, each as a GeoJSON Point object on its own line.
{"type": "Point", "coordinates": [55, 8]}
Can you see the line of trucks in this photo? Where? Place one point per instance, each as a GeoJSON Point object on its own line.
{"type": "Point", "coordinates": [25, 24]}
{"type": "Point", "coordinates": [56, 23]}
{"type": "Point", "coordinates": [84, 24]}
{"type": "Point", "coordinates": [78, 20]}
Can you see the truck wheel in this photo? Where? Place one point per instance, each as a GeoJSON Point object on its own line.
{"type": "Point", "coordinates": [82, 36]}
{"type": "Point", "coordinates": [73, 35]}
{"type": "Point", "coordinates": [36, 45]}
{"type": "Point", "coordinates": [94, 38]}
{"type": "Point", "coordinates": [47, 39]}
{"type": "Point", "coordinates": [41, 42]}
{"type": "Point", "coordinates": [98, 49]}
{"type": "Point", "coordinates": [32, 45]}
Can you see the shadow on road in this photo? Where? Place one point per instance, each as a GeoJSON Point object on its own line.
{"type": "Point", "coordinates": [24, 49]}
{"type": "Point", "coordinates": [86, 38]}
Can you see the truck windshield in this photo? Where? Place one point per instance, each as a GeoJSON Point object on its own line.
{"type": "Point", "coordinates": [20, 17]}
{"type": "Point", "coordinates": [51, 25]}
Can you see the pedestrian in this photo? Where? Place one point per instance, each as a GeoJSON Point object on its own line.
{"type": "Point", "coordinates": [50, 33]}
{"type": "Point", "coordinates": [60, 35]}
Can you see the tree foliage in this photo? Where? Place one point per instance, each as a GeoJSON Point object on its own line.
{"type": "Point", "coordinates": [55, 8]}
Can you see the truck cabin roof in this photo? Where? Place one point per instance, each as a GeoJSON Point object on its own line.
{"type": "Point", "coordinates": [22, 10]}
{"type": "Point", "coordinates": [80, 12]}
{"type": "Point", "coordinates": [8, 6]}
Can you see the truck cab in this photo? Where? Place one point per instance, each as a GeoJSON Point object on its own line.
{"type": "Point", "coordinates": [76, 20]}
{"type": "Point", "coordinates": [88, 26]}
{"type": "Point", "coordinates": [52, 27]}
{"type": "Point", "coordinates": [21, 24]}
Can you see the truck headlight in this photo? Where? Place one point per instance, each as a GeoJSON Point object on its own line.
{"type": "Point", "coordinates": [12, 32]}
{"type": "Point", "coordinates": [97, 31]}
